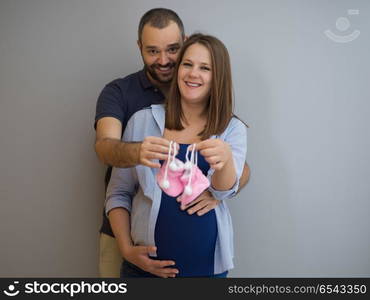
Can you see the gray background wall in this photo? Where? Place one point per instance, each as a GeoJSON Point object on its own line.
{"type": "Point", "coordinates": [304, 212]}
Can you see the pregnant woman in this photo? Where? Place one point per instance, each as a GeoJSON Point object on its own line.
{"type": "Point", "coordinates": [196, 117]}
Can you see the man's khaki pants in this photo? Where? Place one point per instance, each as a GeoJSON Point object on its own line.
{"type": "Point", "coordinates": [110, 259]}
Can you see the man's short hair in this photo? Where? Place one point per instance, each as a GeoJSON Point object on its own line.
{"type": "Point", "coordinates": [160, 18]}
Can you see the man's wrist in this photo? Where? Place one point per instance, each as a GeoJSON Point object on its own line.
{"type": "Point", "coordinates": [132, 152]}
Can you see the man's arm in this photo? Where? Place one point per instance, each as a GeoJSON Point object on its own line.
{"type": "Point", "coordinates": [112, 151]}
{"type": "Point", "coordinates": [138, 255]}
{"type": "Point", "coordinates": [120, 193]}
{"type": "Point", "coordinates": [245, 177]}
{"type": "Point", "coordinates": [109, 148]}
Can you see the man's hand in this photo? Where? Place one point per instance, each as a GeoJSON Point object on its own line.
{"type": "Point", "coordinates": [201, 205]}
{"type": "Point", "coordinates": [153, 148]}
{"type": "Point", "coordinates": [139, 256]}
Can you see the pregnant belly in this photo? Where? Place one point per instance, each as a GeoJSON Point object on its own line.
{"type": "Point", "coordinates": [189, 240]}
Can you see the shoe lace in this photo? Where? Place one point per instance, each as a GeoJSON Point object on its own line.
{"type": "Point", "coordinates": [173, 164]}
{"type": "Point", "coordinates": [192, 162]}
{"type": "Point", "coordinates": [165, 181]}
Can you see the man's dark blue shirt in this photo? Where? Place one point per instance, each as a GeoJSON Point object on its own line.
{"type": "Point", "coordinates": [120, 99]}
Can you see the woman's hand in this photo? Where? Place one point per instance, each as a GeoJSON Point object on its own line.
{"type": "Point", "coordinates": [216, 152]}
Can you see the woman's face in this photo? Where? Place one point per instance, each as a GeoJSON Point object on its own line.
{"type": "Point", "coordinates": [195, 74]}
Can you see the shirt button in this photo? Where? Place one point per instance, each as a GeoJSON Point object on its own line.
{"type": "Point", "coordinates": [155, 90]}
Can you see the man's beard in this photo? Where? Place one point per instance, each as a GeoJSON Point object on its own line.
{"type": "Point", "coordinates": [152, 71]}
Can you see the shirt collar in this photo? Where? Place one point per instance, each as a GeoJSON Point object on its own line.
{"type": "Point", "coordinates": [159, 116]}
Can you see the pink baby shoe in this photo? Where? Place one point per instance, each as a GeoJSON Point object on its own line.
{"type": "Point", "coordinates": [168, 177]}
{"type": "Point", "coordinates": [193, 179]}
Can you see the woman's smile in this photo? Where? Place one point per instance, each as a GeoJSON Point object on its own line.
{"type": "Point", "coordinates": [195, 75]}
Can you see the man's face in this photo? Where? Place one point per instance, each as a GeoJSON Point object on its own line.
{"type": "Point", "coordinates": [159, 50]}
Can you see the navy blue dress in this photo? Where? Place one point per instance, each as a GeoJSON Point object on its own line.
{"type": "Point", "coordinates": [189, 240]}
